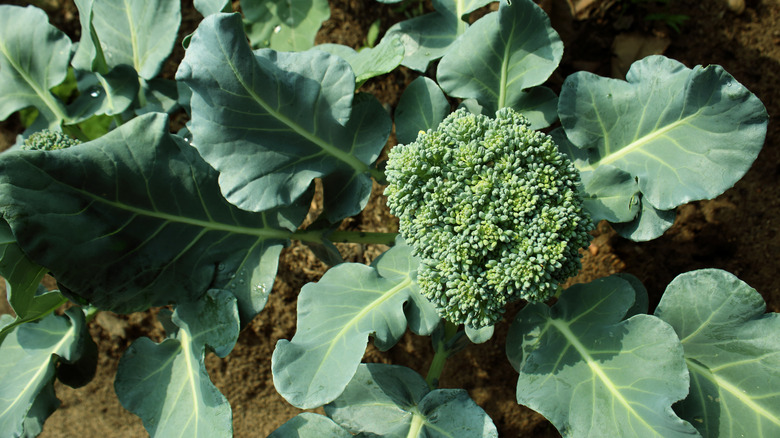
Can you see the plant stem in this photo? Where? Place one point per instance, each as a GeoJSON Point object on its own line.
{"type": "Point", "coordinates": [345, 236]}
{"type": "Point", "coordinates": [443, 352]}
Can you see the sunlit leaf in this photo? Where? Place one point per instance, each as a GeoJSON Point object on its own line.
{"type": "Point", "coordinates": [684, 134]}
{"type": "Point", "coordinates": [284, 25]}
{"type": "Point", "coordinates": [270, 122]}
{"type": "Point", "coordinates": [134, 33]}
{"type": "Point", "coordinates": [593, 373]}
{"type": "Point", "coordinates": [500, 57]}
{"type": "Point", "coordinates": [733, 354]}
{"type": "Point", "coordinates": [167, 384]}
{"type": "Point", "coordinates": [422, 107]}
{"type": "Point", "coordinates": [28, 363]}
{"type": "Point", "coordinates": [369, 62]}
{"type": "Point", "coordinates": [335, 318]}
{"type": "Point", "coordinates": [310, 425]}
{"type": "Point", "coordinates": [429, 37]}
{"type": "Point", "coordinates": [394, 401]}
{"type": "Point", "coordinates": [27, 74]}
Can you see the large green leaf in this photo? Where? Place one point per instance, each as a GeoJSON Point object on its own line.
{"type": "Point", "coordinates": [593, 373]}
{"type": "Point", "coordinates": [370, 61]}
{"type": "Point", "coordinates": [28, 363]}
{"type": "Point", "coordinates": [29, 299]}
{"type": "Point", "coordinates": [140, 34]}
{"type": "Point", "coordinates": [430, 36]}
{"type": "Point", "coordinates": [167, 384]}
{"type": "Point", "coordinates": [335, 318]}
{"type": "Point", "coordinates": [105, 94]}
{"type": "Point", "coordinates": [395, 402]}
{"type": "Point", "coordinates": [310, 425]}
{"type": "Point", "coordinates": [501, 56]}
{"type": "Point", "coordinates": [135, 219]}
{"type": "Point", "coordinates": [684, 134]}
{"type": "Point", "coordinates": [422, 107]}
{"type": "Point", "coordinates": [34, 57]}
{"type": "Point", "coordinates": [284, 25]}
{"type": "Point", "coordinates": [733, 353]}
{"type": "Point", "coordinates": [270, 122]}
{"type": "Point", "coordinates": [208, 7]}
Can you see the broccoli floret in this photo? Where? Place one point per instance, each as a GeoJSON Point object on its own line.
{"type": "Point", "coordinates": [492, 209]}
{"type": "Point", "coordinates": [47, 140]}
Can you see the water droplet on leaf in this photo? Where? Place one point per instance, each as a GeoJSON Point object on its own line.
{"type": "Point", "coordinates": [278, 28]}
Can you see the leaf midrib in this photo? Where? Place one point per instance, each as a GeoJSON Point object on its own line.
{"type": "Point", "coordinates": [326, 147]}
{"type": "Point", "coordinates": [571, 337]}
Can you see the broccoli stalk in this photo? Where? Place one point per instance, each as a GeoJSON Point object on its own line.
{"type": "Point", "coordinates": [492, 209]}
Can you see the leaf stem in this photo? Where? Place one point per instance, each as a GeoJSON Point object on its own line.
{"type": "Point", "coordinates": [444, 349]}
{"type": "Point", "coordinates": [345, 236]}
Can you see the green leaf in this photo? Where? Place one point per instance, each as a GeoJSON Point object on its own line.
{"type": "Point", "coordinates": [310, 425]}
{"type": "Point", "coordinates": [135, 219]}
{"type": "Point", "coordinates": [685, 134]}
{"type": "Point", "coordinates": [27, 297]}
{"type": "Point", "coordinates": [422, 107]}
{"type": "Point", "coordinates": [167, 384]}
{"type": "Point", "coordinates": [34, 57]}
{"type": "Point", "coordinates": [284, 25]}
{"type": "Point", "coordinates": [270, 122]}
{"type": "Point", "coordinates": [650, 224]}
{"type": "Point", "coordinates": [593, 373]}
{"type": "Point", "coordinates": [138, 34]}
{"type": "Point", "coordinates": [28, 362]}
{"type": "Point", "coordinates": [369, 62]}
{"type": "Point", "coordinates": [732, 351]}
{"type": "Point", "coordinates": [394, 401]}
{"type": "Point", "coordinates": [208, 7]}
{"type": "Point", "coordinates": [502, 55]}
{"type": "Point", "coordinates": [336, 317]}
{"type": "Point", "coordinates": [108, 94]}
{"type": "Point", "coordinates": [430, 36]}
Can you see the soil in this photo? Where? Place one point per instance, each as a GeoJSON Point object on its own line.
{"type": "Point", "coordinates": [737, 231]}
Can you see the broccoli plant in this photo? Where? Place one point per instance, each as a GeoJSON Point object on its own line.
{"type": "Point", "coordinates": [494, 206]}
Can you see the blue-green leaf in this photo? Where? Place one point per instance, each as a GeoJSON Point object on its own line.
{"type": "Point", "coordinates": [422, 107]}
{"type": "Point", "coordinates": [502, 55]}
{"type": "Point", "coordinates": [34, 57]}
{"type": "Point", "coordinates": [270, 122]}
{"type": "Point", "coordinates": [167, 384]}
{"type": "Point", "coordinates": [685, 134]}
{"type": "Point", "coordinates": [430, 36]}
{"type": "Point", "coordinates": [135, 219]}
{"type": "Point", "coordinates": [28, 363]}
{"type": "Point", "coordinates": [310, 425]}
{"type": "Point", "coordinates": [593, 373]}
{"type": "Point", "coordinates": [370, 61]}
{"type": "Point", "coordinates": [651, 223]}
{"type": "Point", "coordinates": [105, 94]}
{"type": "Point", "coordinates": [394, 401]}
{"type": "Point", "coordinates": [138, 34]}
{"type": "Point", "coordinates": [284, 25]}
{"type": "Point", "coordinates": [208, 7]}
{"type": "Point", "coordinates": [733, 354]}
{"type": "Point", "coordinates": [27, 297]}
{"type": "Point", "coordinates": [335, 318]}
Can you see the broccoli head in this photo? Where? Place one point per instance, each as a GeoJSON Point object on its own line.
{"type": "Point", "coordinates": [47, 140]}
{"type": "Point", "coordinates": [492, 209]}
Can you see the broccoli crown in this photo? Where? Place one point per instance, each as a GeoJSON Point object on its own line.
{"type": "Point", "coordinates": [47, 140]}
{"type": "Point", "coordinates": [492, 209]}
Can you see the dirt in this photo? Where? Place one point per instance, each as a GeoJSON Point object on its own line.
{"type": "Point", "coordinates": [737, 232]}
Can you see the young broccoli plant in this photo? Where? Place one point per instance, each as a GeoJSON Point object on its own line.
{"type": "Point", "coordinates": [492, 210]}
